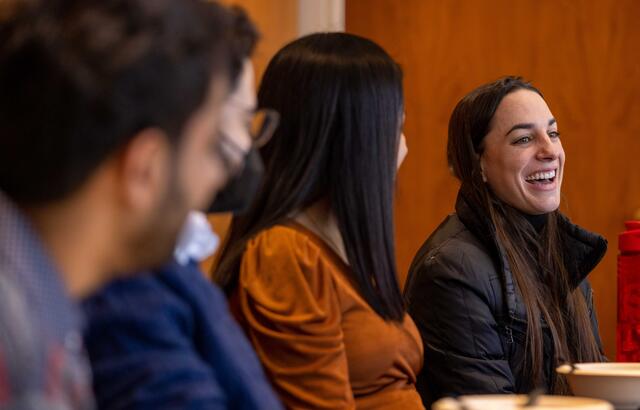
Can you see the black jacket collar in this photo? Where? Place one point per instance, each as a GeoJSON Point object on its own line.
{"type": "Point", "coordinates": [582, 250]}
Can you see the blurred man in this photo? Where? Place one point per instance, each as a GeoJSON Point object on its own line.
{"type": "Point", "coordinates": [108, 137]}
{"type": "Point", "coordinates": [166, 339]}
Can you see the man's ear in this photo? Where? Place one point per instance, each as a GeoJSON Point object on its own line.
{"type": "Point", "coordinates": [145, 168]}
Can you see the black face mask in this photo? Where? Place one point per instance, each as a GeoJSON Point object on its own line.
{"type": "Point", "coordinates": [237, 195]}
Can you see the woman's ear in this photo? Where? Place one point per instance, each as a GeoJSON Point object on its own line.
{"type": "Point", "coordinates": [481, 162]}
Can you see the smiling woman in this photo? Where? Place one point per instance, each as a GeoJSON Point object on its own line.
{"type": "Point", "coordinates": [499, 290]}
{"type": "Point", "coordinates": [523, 159]}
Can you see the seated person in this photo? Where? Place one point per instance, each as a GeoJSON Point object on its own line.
{"type": "Point", "coordinates": [499, 290]}
{"type": "Point", "coordinates": [166, 339]}
{"type": "Point", "coordinates": [311, 267]}
{"type": "Point", "coordinates": [96, 163]}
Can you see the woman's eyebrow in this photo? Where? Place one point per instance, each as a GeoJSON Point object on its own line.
{"type": "Point", "coordinates": [522, 126]}
{"type": "Point", "coordinates": [527, 126]}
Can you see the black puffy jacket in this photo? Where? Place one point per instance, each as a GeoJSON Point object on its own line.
{"type": "Point", "coordinates": [462, 296]}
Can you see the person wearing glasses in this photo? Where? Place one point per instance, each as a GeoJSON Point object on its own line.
{"type": "Point", "coordinates": [499, 291]}
{"type": "Point", "coordinates": [166, 339]}
{"type": "Point", "coordinates": [310, 267]}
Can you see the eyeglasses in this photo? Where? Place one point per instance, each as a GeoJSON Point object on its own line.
{"type": "Point", "coordinates": [261, 126]}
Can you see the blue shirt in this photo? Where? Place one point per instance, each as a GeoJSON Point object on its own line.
{"type": "Point", "coordinates": [167, 340]}
{"type": "Point", "coordinates": [42, 360]}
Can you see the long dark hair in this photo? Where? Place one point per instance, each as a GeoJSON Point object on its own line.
{"type": "Point", "coordinates": [341, 101]}
{"type": "Point", "coordinates": [534, 258]}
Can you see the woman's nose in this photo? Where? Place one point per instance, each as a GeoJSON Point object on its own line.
{"type": "Point", "coordinates": [548, 148]}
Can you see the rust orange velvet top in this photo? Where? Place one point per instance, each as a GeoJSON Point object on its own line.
{"type": "Point", "coordinates": [321, 344]}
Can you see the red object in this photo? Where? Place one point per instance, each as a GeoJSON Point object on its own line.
{"type": "Point", "coordinates": [629, 294]}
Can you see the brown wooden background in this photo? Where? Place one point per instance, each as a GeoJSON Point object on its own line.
{"type": "Point", "coordinates": [584, 56]}
{"type": "Point", "coordinates": [277, 22]}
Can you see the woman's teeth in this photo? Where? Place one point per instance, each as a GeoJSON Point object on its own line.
{"type": "Point", "coordinates": [541, 176]}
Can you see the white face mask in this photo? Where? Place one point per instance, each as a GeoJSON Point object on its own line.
{"type": "Point", "coordinates": [197, 241]}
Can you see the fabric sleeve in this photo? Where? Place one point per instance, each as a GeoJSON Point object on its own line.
{"type": "Point", "coordinates": [292, 314]}
{"type": "Point", "coordinates": [464, 354]}
{"type": "Point", "coordinates": [21, 358]}
{"type": "Point", "coordinates": [141, 352]}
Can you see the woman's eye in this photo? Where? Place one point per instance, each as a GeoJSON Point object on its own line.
{"type": "Point", "coordinates": [554, 134]}
{"type": "Point", "coordinates": [522, 140]}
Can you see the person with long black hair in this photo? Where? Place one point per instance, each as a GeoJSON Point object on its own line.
{"type": "Point", "coordinates": [310, 268]}
{"type": "Point", "coordinates": [499, 290]}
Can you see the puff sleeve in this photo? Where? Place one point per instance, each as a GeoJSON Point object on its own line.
{"type": "Point", "coordinates": [291, 309]}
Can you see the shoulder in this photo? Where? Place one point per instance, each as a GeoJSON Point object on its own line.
{"type": "Point", "coordinates": [142, 288]}
{"type": "Point", "coordinates": [286, 269]}
{"type": "Point", "coordinates": [453, 250]}
{"type": "Point", "coordinates": [284, 252]}
{"type": "Point", "coordinates": [123, 309]}
{"type": "Point", "coordinates": [18, 327]}
{"type": "Point", "coordinates": [582, 249]}
{"type": "Point", "coordinates": [23, 347]}
{"type": "Point", "coordinates": [284, 240]}
{"type": "Point", "coordinates": [18, 323]}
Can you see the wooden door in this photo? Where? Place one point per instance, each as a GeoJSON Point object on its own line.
{"type": "Point", "coordinates": [583, 55]}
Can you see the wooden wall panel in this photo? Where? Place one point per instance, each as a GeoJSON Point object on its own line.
{"type": "Point", "coordinates": [277, 21]}
{"type": "Point", "coordinates": [584, 57]}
